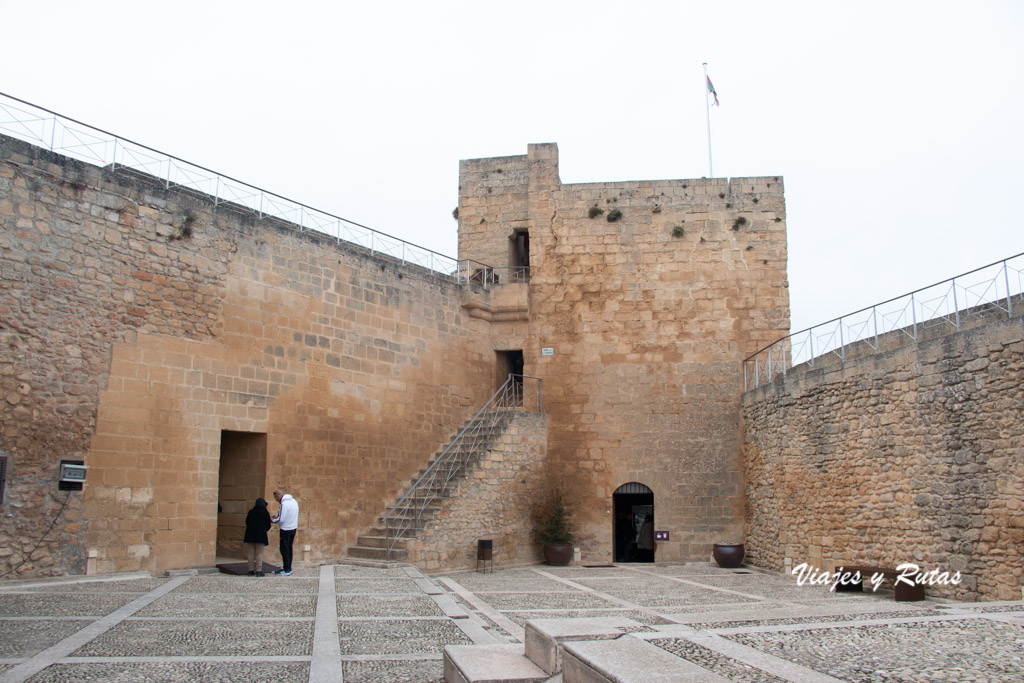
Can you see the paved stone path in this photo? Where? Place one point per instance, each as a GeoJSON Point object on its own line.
{"type": "Point", "coordinates": [353, 624]}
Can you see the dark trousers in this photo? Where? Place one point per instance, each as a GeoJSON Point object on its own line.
{"type": "Point", "coordinates": [287, 541]}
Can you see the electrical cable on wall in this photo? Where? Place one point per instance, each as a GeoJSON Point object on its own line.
{"type": "Point", "coordinates": [52, 524]}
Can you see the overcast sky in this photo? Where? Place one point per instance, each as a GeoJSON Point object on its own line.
{"type": "Point", "coordinates": [898, 126]}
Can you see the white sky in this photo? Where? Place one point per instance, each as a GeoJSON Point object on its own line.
{"type": "Point", "coordinates": [898, 126]}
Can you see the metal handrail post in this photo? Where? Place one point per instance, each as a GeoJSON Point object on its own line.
{"type": "Point", "coordinates": [913, 314]}
{"type": "Point", "coordinates": [745, 376]}
{"type": "Point", "coordinates": [1009, 299]}
{"type": "Point", "coordinates": [783, 357]}
{"type": "Point", "coordinates": [842, 345]}
{"type": "Point", "coordinates": [810, 344]}
{"type": "Point", "coordinates": [769, 364]}
{"type": "Point", "coordinates": [757, 373]}
{"type": "Point", "coordinates": [956, 307]}
{"type": "Point", "coordinates": [874, 316]}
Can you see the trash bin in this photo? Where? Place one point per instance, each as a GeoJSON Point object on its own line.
{"type": "Point", "coordinates": [485, 554]}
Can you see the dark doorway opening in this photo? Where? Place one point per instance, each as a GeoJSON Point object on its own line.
{"type": "Point", "coordinates": [243, 475]}
{"type": "Point", "coordinates": [520, 256]}
{"type": "Point", "coordinates": [633, 523]}
{"type": "Point", "coordinates": [510, 363]}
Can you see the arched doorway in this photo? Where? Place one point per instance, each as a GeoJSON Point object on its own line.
{"type": "Point", "coordinates": [633, 523]}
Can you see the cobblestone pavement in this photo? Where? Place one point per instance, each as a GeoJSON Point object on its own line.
{"type": "Point", "coordinates": [362, 624]}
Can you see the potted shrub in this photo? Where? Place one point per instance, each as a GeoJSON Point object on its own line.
{"type": "Point", "coordinates": [553, 530]}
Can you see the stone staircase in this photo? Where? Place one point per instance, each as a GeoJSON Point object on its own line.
{"type": "Point", "coordinates": [418, 505]}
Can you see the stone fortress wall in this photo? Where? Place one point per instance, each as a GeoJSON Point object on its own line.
{"type": "Point", "coordinates": [647, 326]}
{"type": "Point", "coordinates": [193, 356]}
{"type": "Point", "coordinates": [915, 454]}
{"type": "Point", "coordinates": [150, 335]}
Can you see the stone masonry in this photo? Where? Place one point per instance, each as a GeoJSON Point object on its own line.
{"type": "Point", "coordinates": [497, 500]}
{"type": "Point", "coordinates": [141, 325]}
{"type": "Point", "coordinates": [910, 455]}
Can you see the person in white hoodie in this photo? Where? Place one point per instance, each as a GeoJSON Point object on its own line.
{"type": "Point", "coordinates": [288, 521]}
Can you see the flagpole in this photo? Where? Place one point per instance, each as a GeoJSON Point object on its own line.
{"type": "Point", "coordinates": [707, 111]}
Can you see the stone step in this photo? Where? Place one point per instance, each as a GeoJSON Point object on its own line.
{"type": "Point", "coordinates": [397, 555]}
{"type": "Point", "coordinates": [545, 637]}
{"type": "Point", "coordinates": [379, 542]}
{"type": "Point", "coordinates": [628, 660]}
{"type": "Point", "coordinates": [490, 664]}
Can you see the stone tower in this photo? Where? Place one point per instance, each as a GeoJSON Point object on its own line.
{"type": "Point", "coordinates": [635, 303]}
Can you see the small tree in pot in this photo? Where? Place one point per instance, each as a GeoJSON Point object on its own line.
{"type": "Point", "coordinates": [553, 530]}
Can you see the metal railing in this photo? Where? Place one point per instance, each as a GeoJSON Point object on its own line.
{"type": "Point", "coordinates": [62, 134]}
{"type": "Point", "coordinates": [953, 303]}
{"type": "Point", "coordinates": [519, 392]}
{"type": "Point", "coordinates": [475, 272]}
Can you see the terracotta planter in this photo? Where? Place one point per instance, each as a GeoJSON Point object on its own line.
{"type": "Point", "coordinates": [557, 555]}
{"type": "Point", "coordinates": [728, 555]}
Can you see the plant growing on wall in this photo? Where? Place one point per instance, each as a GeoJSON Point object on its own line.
{"type": "Point", "coordinates": [455, 213]}
{"type": "Point", "coordinates": [614, 215]}
{"type": "Point", "coordinates": [594, 212]}
{"type": "Point", "coordinates": [678, 231]}
{"type": "Point", "coordinates": [185, 228]}
{"type": "Point", "coordinates": [739, 222]}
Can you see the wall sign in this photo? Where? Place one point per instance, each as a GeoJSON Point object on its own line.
{"type": "Point", "coordinates": [547, 351]}
{"type": "Point", "coordinates": [660, 535]}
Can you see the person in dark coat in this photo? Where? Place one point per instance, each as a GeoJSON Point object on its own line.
{"type": "Point", "coordinates": [257, 524]}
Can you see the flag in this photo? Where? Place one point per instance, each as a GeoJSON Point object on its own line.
{"type": "Point", "coordinates": [711, 89]}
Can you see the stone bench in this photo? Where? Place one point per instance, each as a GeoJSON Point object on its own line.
{"type": "Point", "coordinates": [902, 590]}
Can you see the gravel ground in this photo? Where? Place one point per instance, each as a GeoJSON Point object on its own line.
{"type": "Point", "coordinates": [62, 604]}
{"type": "Point", "coordinates": [715, 661]}
{"type": "Point", "coordinates": [389, 630]}
{"type": "Point", "coordinates": [382, 585]}
{"type": "Point", "coordinates": [191, 606]}
{"type": "Point", "coordinates": [956, 650]}
{"type": "Point", "coordinates": [23, 638]}
{"type": "Point", "coordinates": [387, 606]}
{"type": "Point", "coordinates": [560, 600]}
{"type": "Point", "coordinates": [392, 671]}
{"type": "Point", "coordinates": [202, 638]}
{"type": "Point", "coordinates": [188, 672]}
{"type": "Point", "coordinates": [249, 585]}
{"type": "Point", "coordinates": [398, 636]}
{"type": "Point", "coordinates": [138, 586]}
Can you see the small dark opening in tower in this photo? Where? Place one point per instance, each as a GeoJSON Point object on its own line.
{"type": "Point", "coordinates": [510, 363]}
{"type": "Point", "coordinates": [520, 256]}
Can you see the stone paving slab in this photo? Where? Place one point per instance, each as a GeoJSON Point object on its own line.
{"type": "Point", "coordinates": [399, 636]}
{"type": "Point", "coordinates": [645, 618]}
{"type": "Point", "coordinates": [190, 606]}
{"type": "Point", "coordinates": [144, 638]}
{"type": "Point", "coordinates": [186, 672]}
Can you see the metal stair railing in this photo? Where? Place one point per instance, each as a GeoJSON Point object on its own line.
{"type": "Point", "coordinates": [477, 434]}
